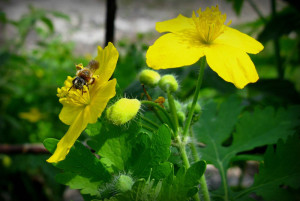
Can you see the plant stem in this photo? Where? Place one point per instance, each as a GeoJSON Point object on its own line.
{"type": "Point", "coordinates": [173, 112]}
{"type": "Point", "coordinates": [203, 184]}
{"type": "Point", "coordinates": [280, 70]}
{"type": "Point", "coordinates": [148, 128]}
{"type": "Point", "coordinates": [182, 151]}
{"type": "Point", "coordinates": [255, 8]}
{"type": "Point", "coordinates": [185, 159]}
{"type": "Point", "coordinates": [158, 107]}
{"type": "Point", "coordinates": [223, 177]}
{"type": "Point", "coordinates": [150, 122]}
{"type": "Point", "coordinates": [195, 99]}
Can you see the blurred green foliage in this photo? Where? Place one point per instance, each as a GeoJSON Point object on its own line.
{"type": "Point", "coordinates": [29, 79]}
{"type": "Point", "coordinates": [29, 108]}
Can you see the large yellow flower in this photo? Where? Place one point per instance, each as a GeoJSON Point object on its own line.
{"type": "Point", "coordinates": [192, 38]}
{"type": "Point", "coordinates": [81, 108]}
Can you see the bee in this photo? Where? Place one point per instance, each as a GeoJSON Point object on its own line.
{"type": "Point", "coordinates": [84, 75]}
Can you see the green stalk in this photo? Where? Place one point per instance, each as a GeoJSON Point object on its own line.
{"type": "Point", "coordinates": [148, 128]}
{"type": "Point", "coordinates": [173, 112]}
{"type": "Point", "coordinates": [225, 186]}
{"type": "Point", "coordinates": [181, 147]}
{"type": "Point", "coordinates": [195, 99]}
{"type": "Point", "coordinates": [150, 122]}
{"type": "Point", "coordinates": [158, 107]}
{"type": "Point", "coordinates": [185, 160]}
{"type": "Point", "coordinates": [280, 70]}
{"type": "Point", "coordinates": [203, 184]}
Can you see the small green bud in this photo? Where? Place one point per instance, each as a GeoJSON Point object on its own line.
{"type": "Point", "coordinates": [123, 111]}
{"type": "Point", "coordinates": [149, 77]}
{"type": "Point", "coordinates": [177, 105]}
{"type": "Point", "coordinates": [124, 183]}
{"type": "Point", "coordinates": [181, 117]}
{"type": "Point", "coordinates": [197, 108]}
{"type": "Point", "coordinates": [168, 81]}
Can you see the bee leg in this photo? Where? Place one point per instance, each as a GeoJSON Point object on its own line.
{"type": "Point", "coordinates": [70, 88]}
{"type": "Point", "coordinates": [92, 81]}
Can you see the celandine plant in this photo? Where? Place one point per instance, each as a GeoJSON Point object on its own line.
{"type": "Point", "coordinates": [139, 149]}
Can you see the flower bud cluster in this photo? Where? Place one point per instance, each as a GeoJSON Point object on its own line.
{"type": "Point", "coordinates": [152, 78]}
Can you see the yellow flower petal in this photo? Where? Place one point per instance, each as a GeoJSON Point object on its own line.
{"type": "Point", "coordinates": [100, 99]}
{"type": "Point", "coordinates": [69, 113]}
{"type": "Point", "coordinates": [231, 64]}
{"type": "Point", "coordinates": [237, 39]}
{"type": "Point", "coordinates": [174, 25]}
{"type": "Point", "coordinates": [174, 50]}
{"type": "Point", "coordinates": [107, 59]}
{"type": "Point", "coordinates": [65, 144]}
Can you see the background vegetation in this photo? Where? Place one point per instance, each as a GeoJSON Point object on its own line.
{"type": "Point", "coordinates": [30, 77]}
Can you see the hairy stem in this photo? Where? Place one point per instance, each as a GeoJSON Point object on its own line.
{"type": "Point", "coordinates": [173, 112]}
{"type": "Point", "coordinates": [149, 122]}
{"type": "Point", "coordinates": [157, 108]}
{"type": "Point", "coordinates": [195, 99]}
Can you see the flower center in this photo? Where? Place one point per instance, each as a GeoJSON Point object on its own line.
{"type": "Point", "coordinates": [210, 23]}
{"type": "Point", "coordinates": [69, 95]}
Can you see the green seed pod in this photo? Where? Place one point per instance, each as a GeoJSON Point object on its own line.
{"type": "Point", "coordinates": [168, 81]}
{"type": "Point", "coordinates": [124, 183]}
{"type": "Point", "coordinates": [149, 77]}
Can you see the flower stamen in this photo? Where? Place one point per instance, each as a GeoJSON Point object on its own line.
{"type": "Point", "coordinates": [209, 24]}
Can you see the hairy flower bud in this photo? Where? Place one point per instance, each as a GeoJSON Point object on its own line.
{"type": "Point", "coordinates": [123, 111]}
{"type": "Point", "coordinates": [124, 183]}
{"type": "Point", "coordinates": [168, 82]}
{"type": "Point", "coordinates": [149, 77]}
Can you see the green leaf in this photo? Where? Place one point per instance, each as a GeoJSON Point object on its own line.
{"type": "Point", "coordinates": [75, 181]}
{"type": "Point", "coordinates": [152, 153]}
{"type": "Point", "coordinates": [184, 184]}
{"type": "Point", "coordinates": [254, 129]}
{"type": "Point", "coordinates": [113, 143]}
{"type": "Point", "coordinates": [161, 171]}
{"type": "Point", "coordinates": [80, 161]}
{"type": "Point", "coordinates": [161, 142]}
{"type": "Point", "coordinates": [60, 15]}
{"type": "Point", "coordinates": [279, 170]}
{"type": "Point", "coordinates": [93, 129]}
{"type": "Point", "coordinates": [48, 23]}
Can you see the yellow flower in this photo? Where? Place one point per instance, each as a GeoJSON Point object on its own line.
{"type": "Point", "coordinates": [192, 38]}
{"type": "Point", "coordinates": [81, 108]}
{"type": "Point", "coordinates": [34, 115]}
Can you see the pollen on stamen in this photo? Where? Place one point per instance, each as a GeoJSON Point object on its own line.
{"type": "Point", "coordinates": [210, 23]}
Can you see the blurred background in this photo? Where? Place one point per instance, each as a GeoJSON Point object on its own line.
{"type": "Point", "coordinates": [41, 41]}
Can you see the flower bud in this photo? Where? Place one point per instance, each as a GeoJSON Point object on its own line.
{"type": "Point", "coordinates": [177, 105]}
{"type": "Point", "coordinates": [168, 81]}
{"type": "Point", "coordinates": [149, 77]}
{"type": "Point", "coordinates": [197, 108]}
{"type": "Point", "coordinates": [124, 183]}
{"type": "Point", "coordinates": [123, 111]}
{"type": "Point", "coordinates": [181, 117]}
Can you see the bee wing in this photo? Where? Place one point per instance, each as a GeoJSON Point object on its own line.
{"type": "Point", "coordinates": [93, 65]}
